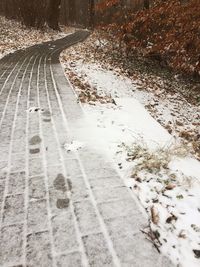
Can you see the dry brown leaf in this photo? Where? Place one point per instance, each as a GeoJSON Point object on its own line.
{"type": "Point", "coordinates": [170, 186]}
{"type": "Point", "coordinates": [154, 215]}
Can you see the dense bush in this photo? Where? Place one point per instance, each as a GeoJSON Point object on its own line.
{"type": "Point", "coordinates": [168, 32]}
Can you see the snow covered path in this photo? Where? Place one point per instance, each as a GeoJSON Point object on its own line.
{"type": "Point", "coordinates": [62, 203]}
{"type": "Point", "coordinates": [157, 166]}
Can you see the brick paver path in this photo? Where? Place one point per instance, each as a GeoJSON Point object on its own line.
{"type": "Point", "coordinates": [58, 208]}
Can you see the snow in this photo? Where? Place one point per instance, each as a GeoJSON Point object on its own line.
{"type": "Point", "coordinates": [116, 129]}
{"type": "Point", "coordinates": [189, 166]}
{"type": "Point", "coordinates": [113, 129]}
{"type": "Point", "coordinates": [129, 123]}
{"type": "Point", "coordinates": [73, 146]}
{"type": "Point", "coordinates": [14, 36]}
{"type": "Point", "coordinates": [125, 123]}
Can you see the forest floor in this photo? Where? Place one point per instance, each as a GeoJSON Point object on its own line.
{"type": "Point", "coordinates": [14, 36]}
{"type": "Point", "coordinates": [148, 121]}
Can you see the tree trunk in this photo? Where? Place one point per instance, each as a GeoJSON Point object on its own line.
{"type": "Point", "coordinates": [146, 4]}
{"type": "Point", "coordinates": [53, 11]}
{"type": "Point", "coordinates": [91, 13]}
{"type": "Point", "coordinates": [72, 11]}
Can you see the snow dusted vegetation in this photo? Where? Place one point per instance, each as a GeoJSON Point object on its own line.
{"type": "Point", "coordinates": [159, 168]}
{"type": "Point", "coordinates": [14, 36]}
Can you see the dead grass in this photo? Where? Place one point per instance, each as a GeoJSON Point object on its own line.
{"type": "Point", "coordinates": [154, 161]}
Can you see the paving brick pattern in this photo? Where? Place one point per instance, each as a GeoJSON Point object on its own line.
{"type": "Point", "coordinates": [58, 208]}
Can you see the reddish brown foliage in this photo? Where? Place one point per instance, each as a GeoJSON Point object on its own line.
{"type": "Point", "coordinates": [102, 5]}
{"type": "Point", "coordinates": [168, 32]}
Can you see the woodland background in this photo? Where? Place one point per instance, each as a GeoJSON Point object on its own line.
{"type": "Point", "coordinates": [166, 31]}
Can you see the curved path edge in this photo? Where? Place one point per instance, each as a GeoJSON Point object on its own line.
{"type": "Point", "coordinates": [59, 208]}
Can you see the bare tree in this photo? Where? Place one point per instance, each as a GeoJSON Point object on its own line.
{"type": "Point", "coordinates": [52, 13]}
{"type": "Point", "coordinates": [146, 4]}
{"type": "Point", "coordinates": [32, 13]}
{"type": "Point", "coordinates": [72, 11]}
{"type": "Point", "coordinates": [91, 13]}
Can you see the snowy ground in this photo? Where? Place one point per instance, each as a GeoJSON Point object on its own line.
{"type": "Point", "coordinates": [14, 36]}
{"type": "Point", "coordinates": [156, 165]}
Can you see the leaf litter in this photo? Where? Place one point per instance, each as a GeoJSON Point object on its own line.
{"type": "Point", "coordinates": [15, 36]}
